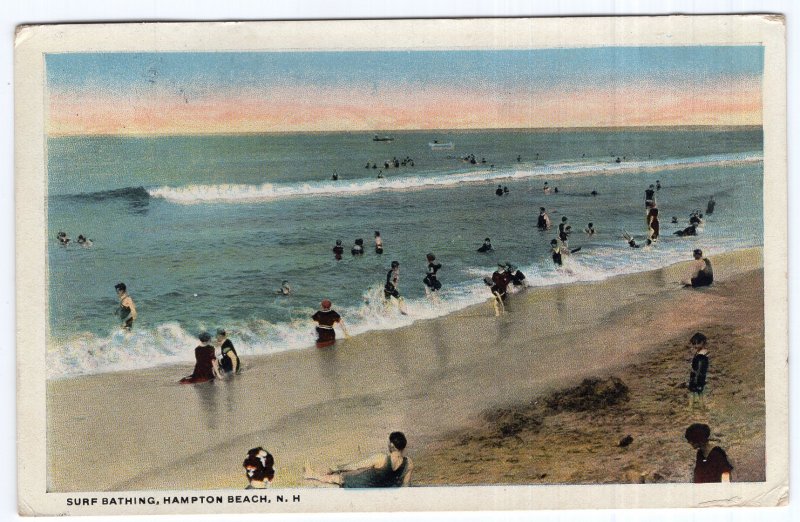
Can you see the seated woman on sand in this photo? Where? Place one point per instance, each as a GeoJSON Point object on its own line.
{"type": "Point", "coordinates": [379, 471]}
{"type": "Point", "coordinates": [702, 274]}
{"type": "Point", "coordinates": [206, 366]}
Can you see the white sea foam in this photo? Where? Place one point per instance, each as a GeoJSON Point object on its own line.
{"type": "Point", "coordinates": [233, 193]}
{"type": "Point", "coordinates": [171, 344]}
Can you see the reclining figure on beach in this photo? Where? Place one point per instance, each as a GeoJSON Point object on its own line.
{"type": "Point", "coordinates": [379, 471]}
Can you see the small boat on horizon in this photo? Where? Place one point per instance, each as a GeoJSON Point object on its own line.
{"type": "Point", "coordinates": [435, 145]}
{"type": "Point", "coordinates": [382, 138]}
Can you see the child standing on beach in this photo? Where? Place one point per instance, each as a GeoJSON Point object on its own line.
{"type": "Point", "coordinates": [697, 376]}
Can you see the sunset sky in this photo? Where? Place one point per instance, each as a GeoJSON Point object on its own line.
{"type": "Point", "coordinates": [190, 93]}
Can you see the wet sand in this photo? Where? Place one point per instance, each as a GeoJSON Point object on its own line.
{"type": "Point", "coordinates": [141, 430]}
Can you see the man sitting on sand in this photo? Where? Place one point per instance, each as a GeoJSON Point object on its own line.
{"type": "Point", "coordinates": [379, 471]}
{"type": "Point", "coordinates": [712, 463]}
{"type": "Point", "coordinates": [702, 274]}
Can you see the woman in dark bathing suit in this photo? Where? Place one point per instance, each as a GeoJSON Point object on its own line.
{"type": "Point", "coordinates": [326, 318]}
{"type": "Point", "coordinates": [379, 471]}
{"type": "Point", "coordinates": [206, 366]}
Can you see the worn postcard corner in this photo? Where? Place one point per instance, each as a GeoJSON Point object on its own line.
{"type": "Point", "coordinates": [393, 265]}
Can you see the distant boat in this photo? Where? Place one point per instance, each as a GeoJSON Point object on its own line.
{"type": "Point", "coordinates": [382, 138]}
{"type": "Point", "coordinates": [435, 145]}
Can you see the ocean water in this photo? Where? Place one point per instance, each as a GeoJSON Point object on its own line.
{"type": "Point", "coordinates": [203, 229]}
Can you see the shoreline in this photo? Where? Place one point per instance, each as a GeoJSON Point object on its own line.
{"type": "Point", "coordinates": [189, 363]}
{"type": "Point", "coordinates": [333, 406]}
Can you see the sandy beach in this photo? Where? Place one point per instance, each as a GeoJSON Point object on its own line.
{"type": "Point", "coordinates": [443, 381]}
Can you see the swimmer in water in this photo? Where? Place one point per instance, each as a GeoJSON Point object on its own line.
{"type": "Point", "coordinates": [62, 238]}
{"type": "Point", "coordinates": [658, 185]}
{"type": "Point", "coordinates": [378, 243]}
{"type": "Point", "coordinates": [391, 290]}
{"type": "Point", "coordinates": [593, 193]}
{"type": "Point", "coordinates": [632, 242]}
{"type": "Point", "coordinates": [499, 286]}
{"type": "Point", "coordinates": [650, 197]}
{"type": "Point", "coordinates": [431, 281]}
{"type": "Point", "coordinates": [505, 190]}
{"type": "Point", "coordinates": [691, 230]}
{"type": "Point", "coordinates": [499, 190]}
{"type": "Point", "coordinates": [655, 226]}
{"type": "Point", "coordinates": [486, 246]}
{"type": "Point", "coordinates": [564, 231]}
{"type": "Point", "coordinates": [380, 174]}
{"type": "Point", "coordinates": [701, 274]}
{"type": "Point", "coordinates": [557, 252]}
{"type": "Point", "coordinates": [126, 310]}
{"type": "Point", "coordinates": [84, 242]}
{"type": "Point", "coordinates": [338, 250]}
{"type": "Point", "coordinates": [358, 248]}
{"type": "Point", "coordinates": [710, 206]}
{"type": "Point", "coordinates": [543, 221]}
{"type": "Point", "coordinates": [285, 289]}
{"type": "Point", "coordinates": [674, 220]}
{"type": "Point", "coordinates": [335, 177]}
{"type": "Point", "coordinates": [546, 188]}
{"type": "Point", "coordinates": [326, 318]}
{"type": "Point", "coordinates": [590, 230]}
{"type": "Point", "coordinates": [517, 277]}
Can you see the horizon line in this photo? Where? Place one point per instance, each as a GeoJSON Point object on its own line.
{"type": "Point", "coordinates": [609, 128]}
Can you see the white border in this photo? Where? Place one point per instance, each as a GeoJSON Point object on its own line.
{"type": "Point", "coordinates": [215, 10]}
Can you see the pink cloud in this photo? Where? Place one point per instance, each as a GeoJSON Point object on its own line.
{"type": "Point", "coordinates": [733, 102]}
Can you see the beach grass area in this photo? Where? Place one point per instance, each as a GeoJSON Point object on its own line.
{"type": "Point", "coordinates": [473, 393]}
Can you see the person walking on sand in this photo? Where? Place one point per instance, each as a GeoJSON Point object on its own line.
{"type": "Point", "coordinates": [206, 367]}
{"type": "Point", "coordinates": [126, 310]}
{"type": "Point", "coordinates": [382, 470]}
{"type": "Point", "coordinates": [326, 318]}
{"type": "Point", "coordinates": [229, 362]}
{"type": "Point", "coordinates": [711, 464]}
{"type": "Point", "coordinates": [259, 467]}
{"type": "Point", "coordinates": [697, 376]}
{"type": "Point", "coordinates": [702, 274]}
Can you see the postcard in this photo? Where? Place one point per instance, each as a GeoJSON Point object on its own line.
{"type": "Point", "coordinates": [402, 265]}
